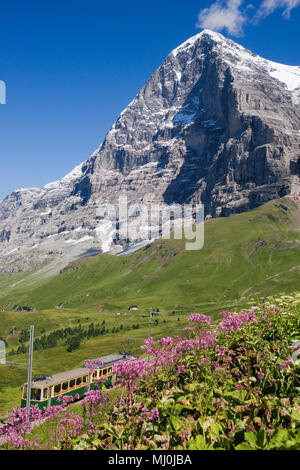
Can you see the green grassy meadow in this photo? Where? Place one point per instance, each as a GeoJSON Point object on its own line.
{"type": "Point", "coordinates": [54, 360]}
{"type": "Point", "coordinates": [245, 257]}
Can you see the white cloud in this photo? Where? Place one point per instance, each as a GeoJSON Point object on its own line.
{"type": "Point", "coordinates": [268, 6]}
{"type": "Point", "coordinates": [227, 15]}
{"type": "Point", "coordinates": [221, 16]}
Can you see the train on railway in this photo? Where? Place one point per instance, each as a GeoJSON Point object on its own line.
{"type": "Point", "coordinates": [48, 390]}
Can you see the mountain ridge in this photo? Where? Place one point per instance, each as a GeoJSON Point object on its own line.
{"type": "Point", "coordinates": [211, 125]}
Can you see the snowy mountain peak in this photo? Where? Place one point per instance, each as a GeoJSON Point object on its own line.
{"type": "Point", "coordinates": [217, 37]}
{"type": "Point", "coordinates": [241, 58]}
{"type": "Point", "coordinates": [215, 124]}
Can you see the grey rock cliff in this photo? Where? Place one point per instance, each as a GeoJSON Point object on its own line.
{"type": "Point", "coordinates": [215, 124]}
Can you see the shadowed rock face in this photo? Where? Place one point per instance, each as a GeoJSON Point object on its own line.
{"type": "Point", "coordinates": [215, 124]}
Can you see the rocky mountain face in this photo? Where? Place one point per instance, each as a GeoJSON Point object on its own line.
{"type": "Point", "coordinates": [215, 124]}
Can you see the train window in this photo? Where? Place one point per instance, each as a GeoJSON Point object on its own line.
{"type": "Point", "coordinates": [110, 370]}
{"type": "Point", "coordinates": [45, 393]}
{"type": "Point", "coordinates": [72, 383]}
{"type": "Point", "coordinates": [78, 381]}
{"type": "Point", "coordinates": [104, 371]}
{"type": "Point", "coordinates": [65, 386]}
{"type": "Point", "coordinates": [57, 389]}
{"type": "Point", "coordinates": [100, 372]}
{"type": "Point", "coordinates": [25, 392]}
{"type": "Point", "coordinates": [84, 379]}
{"type": "Point", "coordinates": [36, 394]}
{"type": "Point", "coordinates": [95, 374]}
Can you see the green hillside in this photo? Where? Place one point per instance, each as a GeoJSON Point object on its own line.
{"type": "Point", "coordinates": [247, 255]}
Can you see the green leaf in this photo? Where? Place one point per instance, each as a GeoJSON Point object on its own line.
{"type": "Point", "coordinates": [295, 415]}
{"type": "Point", "coordinates": [215, 428]}
{"type": "Point", "coordinates": [198, 443]}
{"type": "Point", "coordinates": [261, 438]}
{"type": "Point", "coordinates": [192, 386]}
{"type": "Point", "coordinates": [243, 447]}
{"type": "Point", "coordinates": [175, 422]}
{"type": "Point", "coordinates": [251, 437]}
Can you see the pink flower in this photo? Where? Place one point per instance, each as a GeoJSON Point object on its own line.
{"type": "Point", "coordinates": [93, 363]}
{"type": "Point", "coordinates": [225, 314]}
{"type": "Point", "coordinates": [180, 369]}
{"type": "Point", "coordinates": [153, 415]}
{"type": "Point", "coordinates": [273, 309]}
{"type": "Point", "coordinates": [221, 351]}
{"type": "Point", "coordinates": [66, 399]}
{"type": "Point", "coordinates": [18, 424]}
{"type": "Point", "coordinates": [69, 425]}
{"type": "Point", "coordinates": [132, 369]}
{"type": "Point", "coordinates": [203, 361]}
{"type": "Point", "coordinates": [200, 318]}
{"type": "Point", "coordinates": [285, 364]}
{"type": "Point", "coordinates": [235, 322]}
{"type": "Point", "coordinates": [239, 387]}
{"type": "Point", "coordinates": [167, 340]}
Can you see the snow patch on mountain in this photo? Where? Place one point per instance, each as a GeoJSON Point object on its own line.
{"type": "Point", "coordinates": [81, 240]}
{"type": "Point", "coordinates": [66, 180]}
{"type": "Point", "coordinates": [191, 41]}
{"type": "Point", "coordinates": [289, 75]}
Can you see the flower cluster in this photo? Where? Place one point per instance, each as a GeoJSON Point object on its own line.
{"type": "Point", "coordinates": [69, 426]}
{"type": "Point", "coordinates": [200, 318]}
{"type": "Point", "coordinates": [169, 350]}
{"type": "Point", "coordinates": [180, 369]}
{"type": "Point", "coordinates": [153, 415]}
{"type": "Point", "coordinates": [65, 400]}
{"type": "Point", "coordinates": [272, 309]}
{"type": "Point", "coordinates": [221, 351]}
{"type": "Point", "coordinates": [93, 364]}
{"type": "Point", "coordinates": [167, 340]}
{"type": "Point", "coordinates": [204, 339]}
{"type": "Point", "coordinates": [188, 329]}
{"type": "Point", "coordinates": [233, 322]}
{"type": "Point", "coordinates": [18, 424]}
{"type": "Point", "coordinates": [94, 399]}
{"type": "Point", "coordinates": [132, 369]}
{"type": "Point", "coordinates": [53, 412]}
{"type": "Point", "coordinates": [186, 381]}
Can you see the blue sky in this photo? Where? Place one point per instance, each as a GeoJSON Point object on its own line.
{"type": "Point", "coordinates": [71, 67]}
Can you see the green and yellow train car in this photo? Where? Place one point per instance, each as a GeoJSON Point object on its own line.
{"type": "Point", "coordinates": [45, 390]}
